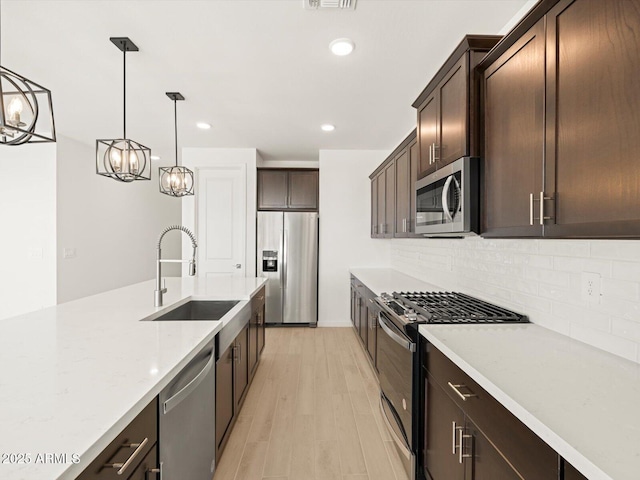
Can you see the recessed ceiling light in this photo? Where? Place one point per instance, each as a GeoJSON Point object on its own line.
{"type": "Point", "coordinates": [342, 46]}
{"type": "Point", "coordinates": [327, 127]}
{"type": "Point", "coordinates": [203, 125]}
{"type": "Point", "coordinates": [155, 157]}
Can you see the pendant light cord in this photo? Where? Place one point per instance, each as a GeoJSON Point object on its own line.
{"type": "Point", "coordinates": [175, 118]}
{"type": "Point", "coordinates": [124, 81]}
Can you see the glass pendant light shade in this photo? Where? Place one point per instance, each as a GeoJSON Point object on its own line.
{"type": "Point", "coordinates": [26, 111]}
{"type": "Point", "coordinates": [123, 159]}
{"type": "Point", "coordinates": [176, 181]}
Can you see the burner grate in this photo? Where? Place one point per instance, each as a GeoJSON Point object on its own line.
{"type": "Point", "coordinates": [453, 307]}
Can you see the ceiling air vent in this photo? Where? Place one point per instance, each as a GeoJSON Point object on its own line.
{"type": "Point", "coordinates": [329, 4]}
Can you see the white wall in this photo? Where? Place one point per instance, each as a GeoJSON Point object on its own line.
{"type": "Point", "coordinates": [541, 278]}
{"type": "Point", "coordinates": [345, 210]}
{"type": "Point", "coordinates": [197, 158]}
{"type": "Point", "coordinates": [28, 219]}
{"type": "Point", "coordinates": [112, 226]}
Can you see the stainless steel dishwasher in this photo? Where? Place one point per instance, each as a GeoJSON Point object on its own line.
{"type": "Point", "coordinates": [187, 421]}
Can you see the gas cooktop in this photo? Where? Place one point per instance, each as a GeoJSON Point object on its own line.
{"type": "Point", "coordinates": [446, 307]}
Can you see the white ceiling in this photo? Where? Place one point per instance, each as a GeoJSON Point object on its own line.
{"type": "Point", "coordinates": [259, 71]}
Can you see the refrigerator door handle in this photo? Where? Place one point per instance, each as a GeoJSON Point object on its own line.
{"type": "Point", "coordinates": [283, 261]}
{"type": "Point", "coordinates": [285, 240]}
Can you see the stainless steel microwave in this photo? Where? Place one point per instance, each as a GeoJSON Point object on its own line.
{"type": "Point", "coordinates": [447, 201]}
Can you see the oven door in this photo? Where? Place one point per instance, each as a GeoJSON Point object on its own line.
{"type": "Point", "coordinates": [395, 367]}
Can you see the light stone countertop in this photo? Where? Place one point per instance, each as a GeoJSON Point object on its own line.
{"type": "Point", "coordinates": [582, 401]}
{"type": "Point", "coordinates": [74, 375]}
{"type": "Point", "coordinates": [387, 280]}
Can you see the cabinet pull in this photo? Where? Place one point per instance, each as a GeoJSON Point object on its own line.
{"type": "Point", "coordinates": [123, 466]}
{"type": "Point", "coordinates": [454, 429]}
{"type": "Point", "coordinates": [542, 199]}
{"type": "Point", "coordinates": [435, 157]}
{"type": "Point", "coordinates": [156, 471]}
{"type": "Point", "coordinates": [463, 396]}
{"type": "Point", "coordinates": [531, 209]}
{"type": "Point", "coordinates": [430, 154]}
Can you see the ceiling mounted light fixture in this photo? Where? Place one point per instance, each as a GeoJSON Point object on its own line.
{"type": "Point", "coordinates": [342, 46]}
{"type": "Point", "coordinates": [176, 181]}
{"type": "Point", "coordinates": [123, 159]}
{"type": "Point", "coordinates": [26, 111]}
{"type": "Point", "coordinates": [327, 127]}
{"type": "Point", "coordinates": [203, 126]}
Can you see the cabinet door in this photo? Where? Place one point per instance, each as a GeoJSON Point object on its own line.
{"type": "Point", "coordinates": [443, 424]}
{"type": "Point", "coordinates": [261, 329]}
{"type": "Point", "coordinates": [483, 462]}
{"type": "Point", "coordinates": [381, 209]}
{"type": "Point", "coordinates": [272, 189]}
{"type": "Point", "coordinates": [252, 342]}
{"type": "Point", "coordinates": [428, 134]}
{"type": "Point", "coordinates": [144, 470]}
{"type": "Point", "coordinates": [224, 396]}
{"type": "Point", "coordinates": [390, 200]}
{"type": "Point", "coordinates": [453, 118]}
{"type": "Point", "coordinates": [374, 207]}
{"type": "Point", "coordinates": [372, 325]}
{"type": "Point", "coordinates": [363, 321]}
{"type": "Point", "coordinates": [241, 367]}
{"type": "Point", "coordinates": [303, 190]}
{"type": "Point", "coordinates": [514, 138]}
{"type": "Point", "coordinates": [593, 100]}
{"type": "Point", "coordinates": [414, 165]}
{"type": "Point", "coordinates": [403, 189]}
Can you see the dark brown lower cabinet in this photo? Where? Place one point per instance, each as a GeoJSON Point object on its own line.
{"type": "Point", "coordinates": [469, 435]}
{"type": "Point", "coordinates": [363, 320]}
{"type": "Point", "coordinates": [241, 367]}
{"type": "Point", "coordinates": [224, 397]}
{"type": "Point", "coordinates": [129, 446]}
{"type": "Point", "coordinates": [148, 468]}
{"type": "Point", "coordinates": [372, 334]}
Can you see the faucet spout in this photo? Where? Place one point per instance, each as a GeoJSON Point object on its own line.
{"type": "Point", "coordinates": [160, 290]}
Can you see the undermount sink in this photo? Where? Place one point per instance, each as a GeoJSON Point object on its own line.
{"type": "Point", "coordinates": [198, 310]}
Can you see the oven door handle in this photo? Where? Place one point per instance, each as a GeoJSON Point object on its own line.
{"type": "Point", "coordinates": [394, 336]}
{"type": "Point", "coordinates": [400, 443]}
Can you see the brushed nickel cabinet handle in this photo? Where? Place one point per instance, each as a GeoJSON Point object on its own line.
{"type": "Point", "coordinates": [531, 209]}
{"type": "Point", "coordinates": [454, 429]}
{"type": "Point", "coordinates": [430, 154]}
{"type": "Point", "coordinates": [463, 396]}
{"type": "Point", "coordinates": [435, 157]}
{"type": "Point", "coordinates": [542, 199]}
{"type": "Point", "coordinates": [122, 467]}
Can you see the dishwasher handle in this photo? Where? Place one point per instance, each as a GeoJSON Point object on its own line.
{"type": "Point", "coordinates": [185, 391]}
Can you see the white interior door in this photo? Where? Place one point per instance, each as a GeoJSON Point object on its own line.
{"type": "Point", "coordinates": [221, 221]}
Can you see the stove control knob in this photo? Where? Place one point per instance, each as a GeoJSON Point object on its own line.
{"type": "Point", "coordinates": [411, 315]}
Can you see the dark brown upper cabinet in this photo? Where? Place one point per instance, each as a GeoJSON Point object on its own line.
{"type": "Point", "coordinates": [288, 189]}
{"type": "Point", "coordinates": [567, 102]}
{"type": "Point", "coordinates": [448, 108]}
{"type": "Point", "coordinates": [514, 137]}
{"type": "Point", "coordinates": [392, 192]}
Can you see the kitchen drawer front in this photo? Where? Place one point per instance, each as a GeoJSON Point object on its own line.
{"type": "Point", "coordinates": [146, 469]}
{"type": "Point", "coordinates": [527, 453]}
{"type": "Point", "coordinates": [144, 426]}
{"type": "Point", "coordinates": [257, 301]}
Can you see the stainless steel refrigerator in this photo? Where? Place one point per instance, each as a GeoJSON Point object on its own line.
{"type": "Point", "coordinates": [287, 255]}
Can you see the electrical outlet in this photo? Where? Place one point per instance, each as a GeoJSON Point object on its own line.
{"type": "Point", "coordinates": [591, 287]}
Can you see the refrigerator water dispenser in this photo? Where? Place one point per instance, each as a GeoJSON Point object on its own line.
{"type": "Point", "coordinates": [269, 261]}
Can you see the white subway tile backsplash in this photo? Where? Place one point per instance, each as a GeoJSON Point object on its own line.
{"type": "Point", "coordinates": [542, 279]}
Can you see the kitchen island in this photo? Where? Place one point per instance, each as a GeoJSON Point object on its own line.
{"type": "Point", "coordinates": [74, 375]}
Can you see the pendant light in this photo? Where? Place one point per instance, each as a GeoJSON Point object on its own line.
{"type": "Point", "coordinates": [176, 181]}
{"type": "Point", "coordinates": [26, 110]}
{"type": "Point", "coordinates": [123, 159]}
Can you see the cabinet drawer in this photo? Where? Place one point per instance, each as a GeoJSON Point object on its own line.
{"type": "Point", "coordinates": [257, 301]}
{"type": "Point", "coordinates": [144, 426]}
{"type": "Point", "coordinates": [525, 451]}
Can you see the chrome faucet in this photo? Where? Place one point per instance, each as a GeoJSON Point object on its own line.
{"type": "Point", "coordinates": [159, 261]}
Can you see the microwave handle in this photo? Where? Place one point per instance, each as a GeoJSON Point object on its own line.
{"type": "Point", "coordinates": [445, 198]}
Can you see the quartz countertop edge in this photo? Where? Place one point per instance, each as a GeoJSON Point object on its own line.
{"type": "Point", "coordinates": [576, 398]}
{"type": "Point", "coordinates": [88, 367]}
{"type": "Point", "coordinates": [387, 280]}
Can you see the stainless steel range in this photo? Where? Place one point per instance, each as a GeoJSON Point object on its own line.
{"type": "Point", "coordinates": [399, 315]}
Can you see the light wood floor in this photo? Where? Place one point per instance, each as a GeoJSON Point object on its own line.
{"type": "Point", "coordinates": [311, 414]}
